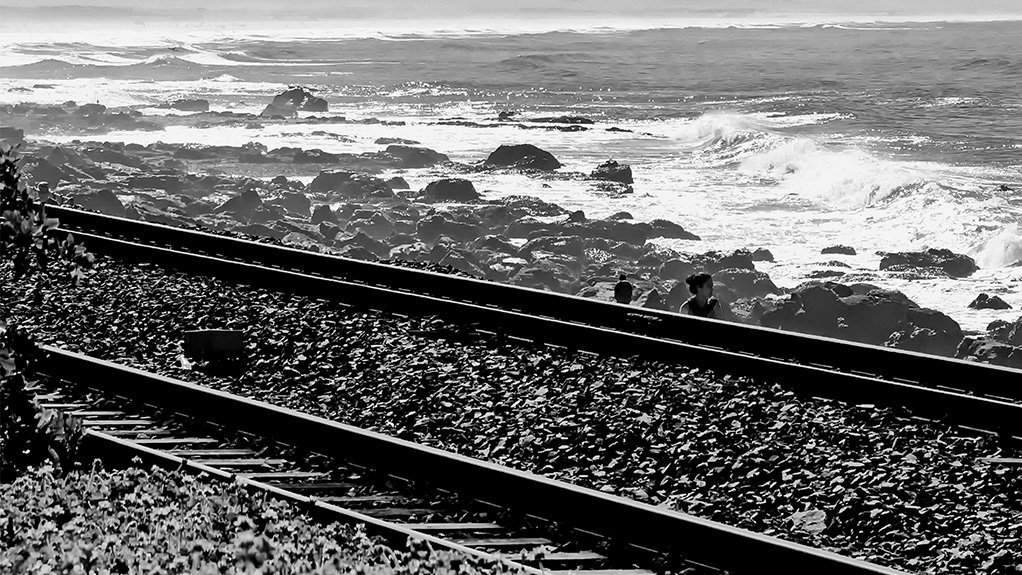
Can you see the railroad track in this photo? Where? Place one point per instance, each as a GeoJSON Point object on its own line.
{"type": "Point", "coordinates": [399, 489]}
{"type": "Point", "coordinates": [978, 396]}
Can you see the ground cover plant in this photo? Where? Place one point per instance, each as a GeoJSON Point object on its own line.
{"type": "Point", "coordinates": [136, 521]}
{"type": "Point", "coordinates": [863, 481]}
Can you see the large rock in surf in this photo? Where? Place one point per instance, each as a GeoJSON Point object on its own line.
{"type": "Point", "coordinates": [984, 301]}
{"type": "Point", "coordinates": [946, 261]}
{"type": "Point", "coordinates": [839, 250]}
{"type": "Point", "coordinates": [416, 157]}
{"type": "Point", "coordinates": [451, 190]}
{"type": "Point", "coordinates": [350, 185]}
{"type": "Point", "coordinates": [290, 102]}
{"type": "Point", "coordinates": [614, 172]}
{"type": "Point", "coordinates": [522, 156]}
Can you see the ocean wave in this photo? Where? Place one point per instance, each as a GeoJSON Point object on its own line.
{"type": "Point", "coordinates": [1002, 249]}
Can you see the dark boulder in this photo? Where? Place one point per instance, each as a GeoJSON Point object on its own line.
{"type": "Point", "coordinates": [494, 243]}
{"type": "Point", "coordinates": [522, 156]}
{"type": "Point", "coordinates": [990, 351]}
{"type": "Point", "coordinates": [911, 337]}
{"type": "Point", "coordinates": [571, 246]}
{"type": "Point", "coordinates": [322, 214]}
{"type": "Point", "coordinates": [614, 172]}
{"type": "Point", "coordinates": [621, 216]}
{"type": "Point", "coordinates": [242, 206]}
{"type": "Point", "coordinates": [290, 102]}
{"type": "Point", "coordinates": [387, 141]}
{"type": "Point", "coordinates": [577, 217]}
{"type": "Point", "coordinates": [954, 265]}
{"type": "Point", "coordinates": [432, 227]}
{"type": "Point", "coordinates": [762, 255]}
{"type": "Point", "coordinates": [361, 240]}
{"type": "Point", "coordinates": [398, 183]}
{"type": "Point", "coordinates": [451, 190]}
{"type": "Point", "coordinates": [984, 301]}
{"type": "Point", "coordinates": [744, 283]}
{"type": "Point", "coordinates": [839, 250]}
{"type": "Point", "coordinates": [653, 300]}
{"type": "Point", "coordinates": [91, 110]}
{"type": "Point", "coordinates": [670, 230]}
{"type": "Point", "coordinates": [416, 157]}
{"type": "Point", "coordinates": [676, 269]}
{"type": "Point", "coordinates": [104, 201]}
{"type": "Point", "coordinates": [350, 185]}
{"type": "Point", "coordinates": [40, 170]}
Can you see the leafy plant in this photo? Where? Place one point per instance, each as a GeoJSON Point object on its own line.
{"type": "Point", "coordinates": [30, 434]}
{"type": "Point", "coordinates": [26, 233]}
{"type": "Point", "coordinates": [134, 521]}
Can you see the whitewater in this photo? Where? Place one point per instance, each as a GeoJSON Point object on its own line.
{"type": "Point", "coordinates": [883, 136]}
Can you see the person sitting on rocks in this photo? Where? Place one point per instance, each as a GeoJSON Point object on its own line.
{"type": "Point", "coordinates": [702, 303]}
{"type": "Point", "coordinates": [623, 290]}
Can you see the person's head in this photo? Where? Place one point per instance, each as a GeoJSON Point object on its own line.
{"type": "Point", "coordinates": [701, 285]}
{"type": "Point", "coordinates": [623, 277]}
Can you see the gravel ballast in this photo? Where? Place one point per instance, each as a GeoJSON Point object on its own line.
{"type": "Point", "coordinates": [866, 482]}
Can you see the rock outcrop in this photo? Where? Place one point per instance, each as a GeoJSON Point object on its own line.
{"type": "Point", "coordinates": [450, 190]}
{"type": "Point", "coordinates": [523, 157]}
{"type": "Point", "coordinates": [932, 260]}
{"type": "Point", "coordinates": [984, 301]}
{"type": "Point", "coordinates": [290, 102]}
{"type": "Point", "coordinates": [614, 172]}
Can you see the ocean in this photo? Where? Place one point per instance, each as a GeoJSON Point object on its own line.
{"type": "Point", "coordinates": [792, 137]}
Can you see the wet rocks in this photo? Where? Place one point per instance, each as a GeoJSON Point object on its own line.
{"type": "Point", "coordinates": [437, 225]}
{"type": "Point", "coordinates": [287, 104]}
{"type": "Point", "coordinates": [242, 206]}
{"type": "Point", "coordinates": [876, 317]}
{"type": "Point", "coordinates": [416, 157]}
{"type": "Point", "coordinates": [522, 157]}
{"type": "Point", "coordinates": [614, 172]}
{"type": "Point", "coordinates": [990, 351]}
{"type": "Point", "coordinates": [839, 250]}
{"type": "Point", "coordinates": [398, 183]}
{"type": "Point", "coordinates": [451, 190]}
{"type": "Point", "coordinates": [946, 261]}
{"type": "Point", "coordinates": [104, 201]}
{"type": "Point", "coordinates": [984, 301]}
{"type": "Point", "coordinates": [744, 283]}
{"type": "Point", "coordinates": [667, 229]}
{"type": "Point", "coordinates": [344, 184]}
{"type": "Point", "coordinates": [762, 255]}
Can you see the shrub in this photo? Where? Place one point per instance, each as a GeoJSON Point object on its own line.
{"type": "Point", "coordinates": [166, 522]}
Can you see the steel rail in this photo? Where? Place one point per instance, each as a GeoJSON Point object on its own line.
{"type": "Point", "coordinates": [837, 355]}
{"type": "Point", "coordinates": [668, 532]}
{"type": "Point", "coordinates": [984, 413]}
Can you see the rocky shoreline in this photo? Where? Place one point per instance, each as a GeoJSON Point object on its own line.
{"type": "Point", "coordinates": [348, 209]}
